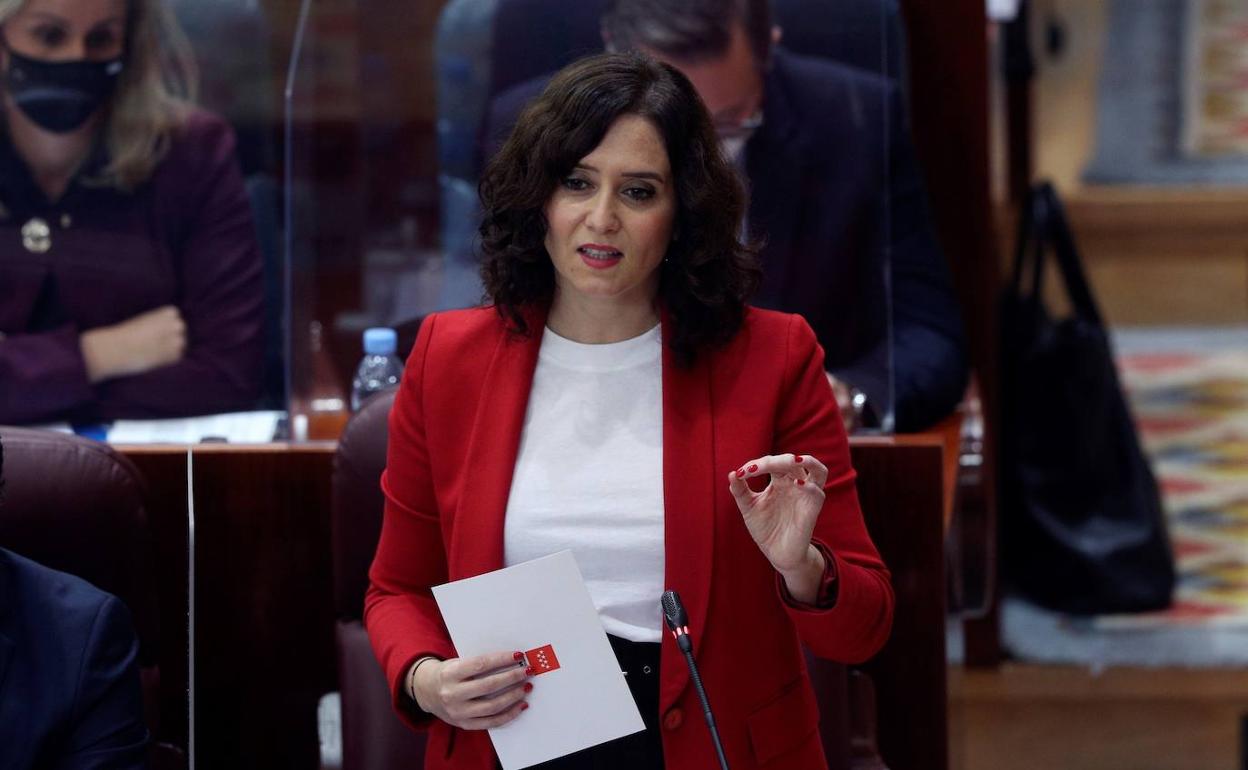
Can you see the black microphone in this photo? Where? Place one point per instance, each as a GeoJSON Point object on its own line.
{"type": "Point", "coordinates": [678, 623]}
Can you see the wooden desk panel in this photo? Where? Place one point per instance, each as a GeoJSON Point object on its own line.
{"type": "Point", "coordinates": [264, 602]}
{"type": "Point", "coordinates": [264, 598]}
{"type": "Point", "coordinates": [164, 471]}
{"type": "Point", "coordinates": [899, 487]}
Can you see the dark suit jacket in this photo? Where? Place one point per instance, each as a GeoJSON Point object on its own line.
{"type": "Point", "coordinates": [70, 696]}
{"type": "Point", "coordinates": [454, 436]}
{"type": "Point", "coordinates": [836, 195]}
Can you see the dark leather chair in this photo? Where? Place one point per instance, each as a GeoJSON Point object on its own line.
{"type": "Point", "coordinates": [373, 738]}
{"type": "Point", "coordinates": [77, 506]}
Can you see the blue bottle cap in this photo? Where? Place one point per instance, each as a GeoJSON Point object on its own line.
{"type": "Point", "coordinates": [380, 341]}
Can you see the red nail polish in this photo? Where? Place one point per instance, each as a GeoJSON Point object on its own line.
{"type": "Point", "coordinates": [752, 468]}
{"type": "Point", "coordinates": [528, 687]}
{"type": "Point", "coordinates": [740, 472]}
{"type": "Point", "coordinates": [797, 459]}
{"type": "Point", "coordinates": [517, 656]}
{"type": "Point", "coordinates": [523, 706]}
{"type": "Point", "coordinates": [529, 671]}
{"type": "Point", "coordinates": [801, 482]}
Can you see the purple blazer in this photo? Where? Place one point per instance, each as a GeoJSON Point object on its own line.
{"type": "Point", "coordinates": [185, 237]}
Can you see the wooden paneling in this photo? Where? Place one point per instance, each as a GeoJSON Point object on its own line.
{"type": "Point", "coordinates": [1165, 257]}
{"type": "Point", "coordinates": [1157, 257]}
{"type": "Point", "coordinates": [899, 486]}
{"type": "Point", "coordinates": [263, 602]}
{"type": "Point", "coordinates": [164, 472]}
{"type": "Point", "coordinates": [1032, 717]}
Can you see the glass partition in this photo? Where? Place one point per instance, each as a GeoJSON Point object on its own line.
{"type": "Point", "coordinates": [397, 119]}
{"type": "Point", "coordinates": [262, 604]}
{"type": "Point", "coordinates": [327, 211]}
{"type": "Point", "coordinates": [834, 189]}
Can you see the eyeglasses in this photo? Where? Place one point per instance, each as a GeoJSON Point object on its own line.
{"type": "Point", "coordinates": [741, 129]}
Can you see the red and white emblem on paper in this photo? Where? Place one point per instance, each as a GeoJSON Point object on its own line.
{"type": "Point", "coordinates": [542, 659]}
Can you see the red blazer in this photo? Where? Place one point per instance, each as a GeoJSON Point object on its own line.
{"type": "Point", "coordinates": [454, 435]}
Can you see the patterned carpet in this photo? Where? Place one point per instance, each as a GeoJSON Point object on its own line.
{"type": "Point", "coordinates": [1192, 413]}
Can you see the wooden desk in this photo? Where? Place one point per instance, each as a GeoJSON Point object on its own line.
{"type": "Point", "coordinates": [264, 608]}
{"type": "Point", "coordinates": [264, 651]}
{"type": "Point", "coordinates": [900, 489]}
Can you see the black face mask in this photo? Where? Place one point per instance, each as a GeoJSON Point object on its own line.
{"type": "Point", "coordinates": [60, 96]}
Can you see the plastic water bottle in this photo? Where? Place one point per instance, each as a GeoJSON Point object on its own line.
{"type": "Point", "coordinates": [380, 369]}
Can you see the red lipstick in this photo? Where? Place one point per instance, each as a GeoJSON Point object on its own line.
{"type": "Point", "coordinates": [599, 256]}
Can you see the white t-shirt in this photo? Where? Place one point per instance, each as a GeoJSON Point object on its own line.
{"type": "Point", "coordinates": [589, 475]}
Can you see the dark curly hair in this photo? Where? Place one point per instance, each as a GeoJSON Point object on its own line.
{"type": "Point", "coordinates": [708, 274]}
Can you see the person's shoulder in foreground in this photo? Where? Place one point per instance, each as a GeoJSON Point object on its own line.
{"type": "Point", "coordinates": [70, 694]}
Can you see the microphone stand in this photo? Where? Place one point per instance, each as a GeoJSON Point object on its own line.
{"type": "Point", "coordinates": [678, 622]}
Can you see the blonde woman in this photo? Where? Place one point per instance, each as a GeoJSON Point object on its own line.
{"type": "Point", "coordinates": [130, 276]}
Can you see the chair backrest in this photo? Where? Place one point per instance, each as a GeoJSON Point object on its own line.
{"type": "Point", "coordinates": [357, 502]}
{"type": "Point", "coordinates": [77, 506]}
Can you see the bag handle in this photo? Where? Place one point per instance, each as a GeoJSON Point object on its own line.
{"type": "Point", "coordinates": [1025, 225]}
{"type": "Point", "coordinates": [1032, 227]}
{"type": "Point", "coordinates": [1043, 224]}
{"type": "Point", "coordinates": [1068, 258]}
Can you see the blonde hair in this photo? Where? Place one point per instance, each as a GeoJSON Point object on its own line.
{"type": "Point", "coordinates": [153, 96]}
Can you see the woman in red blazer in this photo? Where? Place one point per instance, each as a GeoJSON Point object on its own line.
{"type": "Point", "coordinates": [612, 217]}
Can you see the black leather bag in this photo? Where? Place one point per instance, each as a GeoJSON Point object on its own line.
{"type": "Point", "coordinates": [1082, 525]}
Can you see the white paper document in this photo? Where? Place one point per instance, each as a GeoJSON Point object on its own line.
{"type": "Point", "coordinates": [257, 427]}
{"type": "Point", "coordinates": [234, 427]}
{"type": "Point", "coordinates": [542, 608]}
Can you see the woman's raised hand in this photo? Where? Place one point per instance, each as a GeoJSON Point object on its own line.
{"type": "Point", "coordinates": [473, 693]}
{"type": "Point", "coordinates": [782, 517]}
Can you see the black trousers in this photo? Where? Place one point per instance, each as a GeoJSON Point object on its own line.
{"type": "Point", "coordinates": [639, 751]}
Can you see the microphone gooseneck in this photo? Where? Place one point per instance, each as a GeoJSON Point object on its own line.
{"type": "Point", "coordinates": [678, 623]}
